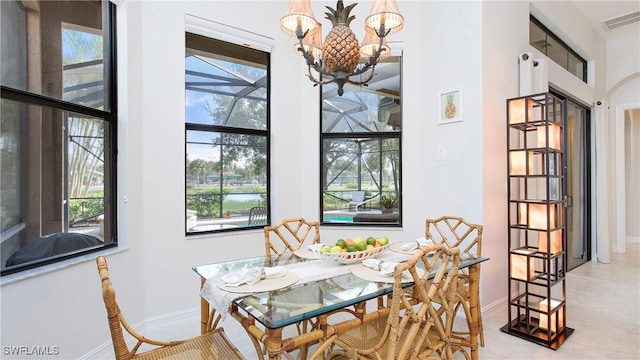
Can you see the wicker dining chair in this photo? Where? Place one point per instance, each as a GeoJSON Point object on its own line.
{"type": "Point", "coordinates": [455, 231]}
{"type": "Point", "coordinates": [289, 235]}
{"type": "Point", "coordinates": [416, 326]}
{"type": "Point", "coordinates": [212, 345]}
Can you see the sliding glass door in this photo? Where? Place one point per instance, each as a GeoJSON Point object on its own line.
{"type": "Point", "coordinates": [578, 185]}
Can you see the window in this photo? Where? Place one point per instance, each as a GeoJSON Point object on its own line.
{"type": "Point", "coordinates": [227, 136]}
{"type": "Point", "coordinates": [549, 44]}
{"type": "Point", "coordinates": [58, 138]}
{"type": "Point", "coordinates": [361, 150]}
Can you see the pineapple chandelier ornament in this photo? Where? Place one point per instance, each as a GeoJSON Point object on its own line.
{"type": "Point", "coordinates": [337, 58]}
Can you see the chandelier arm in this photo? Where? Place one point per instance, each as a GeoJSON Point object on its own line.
{"type": "Point", "coordinates": [305, 54]}
{"type": "Point", "coordinates": [310, 60]}
{"type": "Point", "coordinates": [368, 66]}
{"type": "Point", "coordinates": [373, 59]}
{"type": "Point", "coordinates": [365, 81]}
{"type": "Point", "coordinates": [382, 31]}
{"type": "Point", "coordinates": [316, 81]}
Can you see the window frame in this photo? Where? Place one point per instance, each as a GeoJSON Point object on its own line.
{"type": "Point", "coordinates": [359, 135]}
{"type": "Point", "coordinates": [110, 118]}
{"type": "Point", "coordinates": [570, 51]}
{"type": "Point", "coordinates": [196, 28]}
{"type": "Point", "coordinates": [380, 136]}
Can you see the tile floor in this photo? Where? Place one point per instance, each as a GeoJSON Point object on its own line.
{"type": "Point", "coordinates": [603, 308]}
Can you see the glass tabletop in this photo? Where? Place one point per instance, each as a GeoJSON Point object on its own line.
{"type": "Point", "coordinates": [297, 302]}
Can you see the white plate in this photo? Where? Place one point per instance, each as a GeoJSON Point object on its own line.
{"type": "Point", "coordinates": [306, 253]}
{"type": "Point", "coordinates": [397, 247]}
{"type": "Point", "coordinates": [263, 285]}
{"type": "Point", "coordinates": [369, 274]}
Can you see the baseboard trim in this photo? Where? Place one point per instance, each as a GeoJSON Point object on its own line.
{"type": "Point", "coordinates": [496, 305]}
{"type": "Point", "coordinates": [146, 326]}
{"type": "Point", "coordinates": [155, 323]}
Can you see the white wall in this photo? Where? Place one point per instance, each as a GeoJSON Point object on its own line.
{"type": "Point", "coordinates": [623, 93]}
{"type": "Point", "coordinates": [623, 58]}
{"type": "Point", "coordinates": [504, 39]}
{"type": "Point", "coordinates": [472, 46]}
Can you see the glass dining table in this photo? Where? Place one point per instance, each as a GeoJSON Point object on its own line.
{"type": "Point", "coordinates": [314, 288]}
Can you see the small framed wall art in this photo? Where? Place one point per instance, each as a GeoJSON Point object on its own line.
{"type": "Point", "coordinates": [450, 107]}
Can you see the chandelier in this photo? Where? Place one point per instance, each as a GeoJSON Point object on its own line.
{"type": "Point", "coordinates": [338, 58]}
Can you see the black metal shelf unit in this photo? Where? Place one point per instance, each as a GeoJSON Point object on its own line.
{"type": "Point", "coordinates": [536, 215]}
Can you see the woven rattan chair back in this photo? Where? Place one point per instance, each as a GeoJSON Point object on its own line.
{"type": "Point", "coordinates": [213, 345]}
{"type": "Point", "coordinates": [427, 324]}
{"type": "Point", "coordinates": [455, 231]}
{"type": "Point", "coordinates": [417, 326]}
{"type": "Point", "coordinates": [289, 235]}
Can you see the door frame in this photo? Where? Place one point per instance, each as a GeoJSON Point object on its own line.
{"type": "Point", "coordinates": [588, 250]}
{"type": "Point", "coordinates": [619, 245]}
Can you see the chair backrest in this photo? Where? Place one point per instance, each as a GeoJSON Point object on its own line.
{"type": "Point", "coordinates": [113, 312]}
{"type": "Point", "coordinates": [455, 231]}
{"type": "Point", "coordinates": [357, 196]}
{"type": "Point", "coordinates": [418, 325]}
{"type": "Point", "coordinates": [290, 234]}
{"type": "Point", "coordinates": [258, 215]}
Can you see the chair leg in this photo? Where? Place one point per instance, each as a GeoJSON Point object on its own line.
{"type": "Point", "coordinates": [463, 337]}
{"type": "Point", "coordinates": [480, 328]}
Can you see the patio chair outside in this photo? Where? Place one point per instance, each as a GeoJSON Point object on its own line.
{"type": "Point", "coordinates": [258, 216]}
{"type": "Point", "coordinates": [357, 198]}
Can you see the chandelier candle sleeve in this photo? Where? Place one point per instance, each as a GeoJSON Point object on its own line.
{"type": "Point", "coordinates": [337, 59]}
{"type": "Point", "coordinates": [299, 17]}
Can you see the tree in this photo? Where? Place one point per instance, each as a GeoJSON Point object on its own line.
{"type": "Point", "coordinates": [197, 168]}
{"type": "Point", "coordinates": [85, 151]}
{"type": "Point", "coordinates": [246, 109]}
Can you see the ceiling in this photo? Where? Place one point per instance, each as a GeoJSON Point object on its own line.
{"type": "Point", "coordinates": [596, 12]}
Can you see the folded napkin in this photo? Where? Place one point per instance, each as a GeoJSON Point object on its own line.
{"type": "Point", "coordinates": [418, 243]}
{"type": "Point", "coordinates": [252, 275]}
{"type": "Point", "coordinates": [386, 268]}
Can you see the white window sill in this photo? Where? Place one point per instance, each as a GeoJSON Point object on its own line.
{"type": "Point", "coordinates": [27, 274]}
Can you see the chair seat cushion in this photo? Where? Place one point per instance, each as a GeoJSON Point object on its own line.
{"type": "Point", "coordinates": [213, 345]}
{"type": "Point", "coordinates": [368, 335]}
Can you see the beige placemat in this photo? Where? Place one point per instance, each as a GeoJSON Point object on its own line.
{"type": "Point", "coordinates": [306, 253]}
{"type": "Point", "coordinates": [263, 285]}
{"type": "Point", "coordinates": [307, 271]}
{"type": "Point", "coordinates": [369, 274]}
